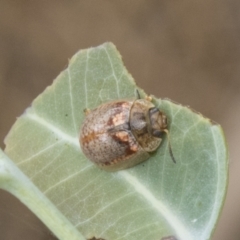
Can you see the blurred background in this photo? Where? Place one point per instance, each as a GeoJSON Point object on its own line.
{"type": "Point", "coordinates": [188, 51]}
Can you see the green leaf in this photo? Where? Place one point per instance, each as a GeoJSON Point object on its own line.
{"type": "Point", "coordinates": [152, 200]}
{"type": "Point", "coordinates": [14, 181]}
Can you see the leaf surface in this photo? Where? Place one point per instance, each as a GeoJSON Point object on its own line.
{"type": "Point", "coordinates": [150, 201]}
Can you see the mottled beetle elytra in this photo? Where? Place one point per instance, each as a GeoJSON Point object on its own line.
{"type": "Point", "coordinates": [120, 134]}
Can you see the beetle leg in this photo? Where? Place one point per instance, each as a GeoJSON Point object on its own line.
{"type": "Point", "coordinates": [138, 94]}
{"type": "Point", "coordinates": [169, 146]}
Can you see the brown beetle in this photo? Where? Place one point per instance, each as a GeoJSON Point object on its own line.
{"type": "Point", "coordinates": [120, 134]}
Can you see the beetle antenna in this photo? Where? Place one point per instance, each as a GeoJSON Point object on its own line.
{"type": "Point", "coordinates": [169, 146]}
{"type": "Point", "coordinates": [138, 94]}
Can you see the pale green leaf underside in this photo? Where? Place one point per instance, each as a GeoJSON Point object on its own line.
{"type": "Point", "coordinates": [155, 199]}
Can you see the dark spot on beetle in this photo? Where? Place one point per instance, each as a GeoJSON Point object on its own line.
{"type": "Point", "coordinates": [169, 238]}
{"type": "Point", "coordinates": [110, 121]}
{"type": "Point", "coordinates": [66, 115]}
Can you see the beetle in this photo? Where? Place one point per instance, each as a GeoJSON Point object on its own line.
{"type": "Point", "coordinates": [120, 134]}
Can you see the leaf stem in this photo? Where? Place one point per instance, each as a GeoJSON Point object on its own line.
{"type": "Point", "coordinates": [15, 182]}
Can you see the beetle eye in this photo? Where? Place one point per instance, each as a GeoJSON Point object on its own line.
{"type": "Point", "coordinates": [157, 133]}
